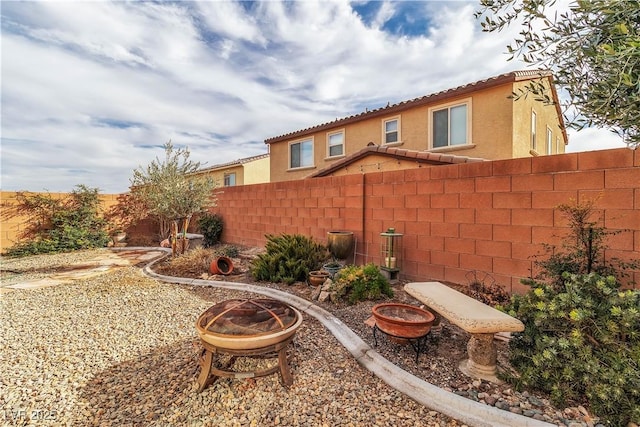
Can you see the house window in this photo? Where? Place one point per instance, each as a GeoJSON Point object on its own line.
{"type": "Point", "coordinates": [549, 141]}
{"type": "Point", "coordinates": [301, 154]}
{"type": "Point", "coordinates": [229, 179]}
{"type": "Point", "coordinates": [450, 125]}
{"type": "Point", "coordinates": [335, 142]}
{"type": "Point", "coordinates": [533, 130]}
{"type": "Point", "coordinates": [391, 131]}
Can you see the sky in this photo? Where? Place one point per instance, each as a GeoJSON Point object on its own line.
{"type": "Point", "coordinates": [91, 90]}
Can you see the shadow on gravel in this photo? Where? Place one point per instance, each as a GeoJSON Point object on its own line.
{"type": "Point", "coordinates": [139, 391]}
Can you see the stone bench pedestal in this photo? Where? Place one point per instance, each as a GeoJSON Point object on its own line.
{"type": "Point", "coordinates": [474, 317]}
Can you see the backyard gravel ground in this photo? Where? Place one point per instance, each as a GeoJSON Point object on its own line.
{"type": "Point", "coordinates": [121, 349]}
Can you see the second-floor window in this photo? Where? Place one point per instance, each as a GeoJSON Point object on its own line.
{"type": "Point", "coordinates": [301, 154]}
{"type": "Point", "coordinates": [450, 125]}
{"type": "Point", "coordinates": [391, 131]}
{"type": "Point", "coordinates": [229, 179]}
{"type": "Point", "coordinates": [335, 143]}
{"type": "Point", "coordinates": [549, 141]}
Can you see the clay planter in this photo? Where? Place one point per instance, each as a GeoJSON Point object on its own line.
{"type": "Point", "coordinates": [340, 243]}
{"type": "Point", "coordinates": [402, 320]}
{"type": "Point", "coordinates": [221, 265]}
{"type": "Point", "coordinates": [318, 277]}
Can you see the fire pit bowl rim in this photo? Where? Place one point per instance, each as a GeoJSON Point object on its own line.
{"type": "Point", "coordinates": [404, 328]}
{"type": "Point", "coordinates": [248, 342]}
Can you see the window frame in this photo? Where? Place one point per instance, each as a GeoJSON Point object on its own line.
{"type": "Point", "coordinates": [549, 140]}
{"type": "Point", "coordinates": [301, 141]}
{"type": "Point", "coordinates": [398, 130]}
{"type": "Point", "coordinates": [468, 123]}
{"type": "Point", "coordinates": [229, 175]}
{"type": "Point", "coordinates": [329, 135]}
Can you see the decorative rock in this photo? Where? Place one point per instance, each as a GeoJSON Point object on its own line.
{"type": "Point", "coordinates": [490, 400]}
{"type": "Point", "coordinates": [515, 410]}
{"type": "Point", "coordinates": [324, 295]}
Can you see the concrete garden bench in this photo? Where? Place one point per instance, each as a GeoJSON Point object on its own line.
{"type": "Point", "coordinates": [474, 317]}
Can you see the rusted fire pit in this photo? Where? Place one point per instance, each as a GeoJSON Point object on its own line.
{"type": "Point", "coordinates": [247, 328]}
{"type": "Point", "coordinates": [404, 322]}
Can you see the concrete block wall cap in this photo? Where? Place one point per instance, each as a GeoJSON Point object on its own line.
{"type": "Point", "coordinates": [466, 312]}
{"type": "Point", "coordinates": [457, 407]}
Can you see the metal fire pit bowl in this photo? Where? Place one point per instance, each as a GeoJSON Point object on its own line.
{"type": "Point", "coordinates": [249, 328]}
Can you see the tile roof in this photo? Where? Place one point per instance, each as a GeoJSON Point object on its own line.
{"type": "Point", "coordinates": [511, 77]}
{"type": "Point", "coordinates": [425, 157]}
{"type": "Point", "coordinates": [234, 163]}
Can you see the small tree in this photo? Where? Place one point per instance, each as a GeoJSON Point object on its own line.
{"type": "Point", "coordinates": [593, 49]}
{"type": "Point", "coordinates": [583, 250]}
{"type": "Point", "coordinates": [171, 191]}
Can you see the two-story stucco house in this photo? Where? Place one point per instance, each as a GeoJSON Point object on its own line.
{"type": "Point", "coordinates": [249, 170]}
{"type": "Point", "coordinates": [476, 121]}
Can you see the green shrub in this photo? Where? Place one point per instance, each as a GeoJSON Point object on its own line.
{"type": "Point", "coordinates": [581, 341]}
{"type": "Point", "coordinates": [210, 225]}
{"type": "Point", "coordinates": [582, 334]}
{"type": "Point", "coordinates": [288, 258]}
{"type": "Point", "coordinates": [59, 225]}
{"type": "Point", "coordinates": [361, 283]}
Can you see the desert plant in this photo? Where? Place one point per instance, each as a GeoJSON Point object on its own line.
{"type": "Point", "coordinates": [59, 224]}
{"type": "Point", "coordinates": [582, 333]}
{"type": "Point", "coordinates": [288, 258]}
{"type": "Point", "coordinates": [210, 225]}
{"type": "Point", "coordinates": [192, 264]}
{"type": "Point", "coordinates": [581, 342]}
{"type": "Point", "coordinates": [359, 283]}
{"type": "Point", "coordinates": [172, 191]}
{"type": "Point", "coordinates": [583, 251]}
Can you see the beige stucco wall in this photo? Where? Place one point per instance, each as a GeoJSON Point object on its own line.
{"type": "Point", "coordinates": [257, 171]}
{"type": "Point", "coordinates": [500, 129]}
{"type": "Point", "coordinates": [218, 175]}
{"type": "Point", "coordinates": [546, 115]}
{"type": "Point", "coordinates": [378, 163]}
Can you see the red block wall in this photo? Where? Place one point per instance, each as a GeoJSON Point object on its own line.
{"type": "Point", "coordinates": [489, 217]}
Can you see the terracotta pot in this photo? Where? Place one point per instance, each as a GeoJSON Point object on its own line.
{"type": "Point", "coordinates": [318, 277]}
{"type": "Point", "coordinates": [403, 320]}
{"type": "Point", "coordinates": [221, 265]}
{"type": "Point", "coordinates": [340, 243]}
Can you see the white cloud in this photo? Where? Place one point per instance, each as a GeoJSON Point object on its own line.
{"type": "Point", "coordinates": [591, 139]}
{"type": "Point", "coordinates": [89, 88]}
